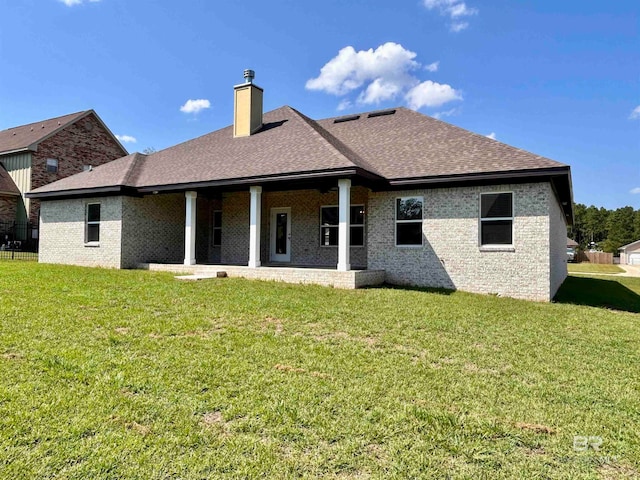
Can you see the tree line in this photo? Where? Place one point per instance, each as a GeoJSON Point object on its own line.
{"type": "Point", "coordinates": [606, 230]}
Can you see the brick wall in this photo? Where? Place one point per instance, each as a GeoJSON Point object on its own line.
{"type": "Point", "coordinates": [451, 256]}
{"type": "Point", "coordinates": [8, 206]}
{"type": "Point", "coordinates": [85, 142]}
{"type": "Point", "coordinates": [62, 233]}
{"type": "Point", "coordinates": [153, 229]}
{"type": "Point", "coordinates": [557, 245]}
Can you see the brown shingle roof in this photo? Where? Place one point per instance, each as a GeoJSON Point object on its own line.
{"type": "Point", "coordinates": [26, 136]}
{"type": "Point", "coordinates": [7, 186]}
{"type": "Point", "coordinates": [407, 144]}
{"type": "Point", "coordinates": [402, 145]}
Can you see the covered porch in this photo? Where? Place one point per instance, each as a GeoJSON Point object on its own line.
{"type": "Point", "coordinates": [297, 233]}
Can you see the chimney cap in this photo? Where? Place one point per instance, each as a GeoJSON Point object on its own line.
{"type": "Point", "coordinates": [249, 75]}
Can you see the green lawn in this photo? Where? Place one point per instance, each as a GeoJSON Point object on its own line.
{"type": "Point", "coordinates": [131, 374]}
{"type": "Point", "coordinates": [593, 268]}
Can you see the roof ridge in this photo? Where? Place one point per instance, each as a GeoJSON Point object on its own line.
{"type": "Point", "coordinates": [82, 112]}
{"type": "Point", "coordinates": [333, 143]}
{"type": "Point", "coordinates": [128, 178]}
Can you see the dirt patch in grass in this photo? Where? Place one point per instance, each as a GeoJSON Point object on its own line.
{"type": "Point", "coordinates": [612, 471]}
{"type": "Point", "coordinates": [138, 428]}
{"type": "Point", "coordinates": [212, 418]}
{"type": "Point", "coordinates": [536, 428]}
{"type": "Point", "coordinates": [11, 356]}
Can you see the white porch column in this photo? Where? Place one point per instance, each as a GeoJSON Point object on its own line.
{"type": "Point", "coordinates": [254, 226]}
{"type": "Point", "coordinates": [190, 229]}
{"type": "Point", "coordinates": [344, 208]}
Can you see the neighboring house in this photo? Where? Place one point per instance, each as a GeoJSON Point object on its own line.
{"type": "Point", "coordinates": [572, 250]}
{"type": "Point", "coordinates": [43, 152]}
{"type": "Point", "coordinates": [9, 194]}
{"type": "Point", "coordinates": [391, 196]}
{"type": "Point", "coordinates": [630, 254]}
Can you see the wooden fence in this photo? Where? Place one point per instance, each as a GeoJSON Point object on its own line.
{"type": "Point", "coordinates": [595, 257]}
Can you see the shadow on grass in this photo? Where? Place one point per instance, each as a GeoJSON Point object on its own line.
{"type": "Point", "coordinates": [438, 291]}
{"type": "Point", "coordinates": [597, 292]}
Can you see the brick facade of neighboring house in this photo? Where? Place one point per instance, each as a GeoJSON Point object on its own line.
{"type": "Point", "coordinates": [427, 204]}
{"type": "Point", "coordinates": [8, 207]}
{"type": "Point", "coordinates": [74, 141]}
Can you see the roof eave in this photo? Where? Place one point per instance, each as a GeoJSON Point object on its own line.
{"type": "Point", "coordinates": [257, 180]}
{"type": "Point", "coordinates": [83, 192]}
{"type": "Point", "coordinates": [465, 177]}
{"type": "Point", "coordinates": [30, 148]}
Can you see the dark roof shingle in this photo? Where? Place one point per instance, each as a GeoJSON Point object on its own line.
{"type": "Point", "coordinates": [24, 136]}
{"type": "Point", "coordinates": [402, 145]}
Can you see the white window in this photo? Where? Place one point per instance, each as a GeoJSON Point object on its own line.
{"type": "Point", "coordinates": [217, 228]}
{"type": "Point", "coordinates": [92, 223]}
{"type": "Point", "coordinates": [409, 221]}
{"type": "Point", "coordinates": [329, 220]}
{"type": "Point", "coordinates": [496, 218]}
{"type": "Point", "coordinates": [52, 165]}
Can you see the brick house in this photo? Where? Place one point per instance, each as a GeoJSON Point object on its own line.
{"type": "Point", "coordinates": [390, 195]}
{"type": "Point", "coordinates": [43, 152]}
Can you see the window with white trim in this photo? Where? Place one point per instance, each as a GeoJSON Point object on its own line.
{"type": "Point", "coordinates": [217, 228]}
{"type": "Point", "coordinates": [92, 223]}
{"type": "Point", "coordinates": [329, 220]}
{"type": "Point", "coordinates": [409, 221]}
{"type": "Point", "coordinates": [496, 218]}
{"type": "Point", "coordinates": [52, 165]}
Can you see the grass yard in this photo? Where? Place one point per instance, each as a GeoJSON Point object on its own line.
{"type": "Point", "coordinates": [131, 374]}
{"type": "Point", "coordinates": [593, 268]}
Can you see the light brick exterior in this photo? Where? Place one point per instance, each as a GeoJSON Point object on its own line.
{"type": "Point", "coordinates": [62, 233]}
{"type": "Point", "coordinates": [451, 256]}
{"type": "Point", "coordinates": [85, 142]}
{"type": "Point", "coordinates": [557, 246]}
{"type": "Point", "coordinates": [151, 230]}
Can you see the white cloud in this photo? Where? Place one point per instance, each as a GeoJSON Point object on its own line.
{"type": "Point", "coordinates": [432, 67]}
{"type": "Point", "coordinates": [194, 106]}
{"type": "Point", "coordinates": [71, 3]}
{"type": "Point", "coordinates": [431, 94]}
{"type": "Point", "coordinates": [344, 104]}
{"type": "Point", "coordinates": [350, 70]}
{"type": "Point", "coordinates": [126, 138]}
{"type": "Point", "coordinates": [635, 191]}
{"type": "Point", "coordinates": [635, 114]}
{"type": "Point", "coordinates": [454, 9]}
{"type": "Point", "coordinates": [446, 113]}
{"type": "Point", "coordinates": [458, 27]}
{"type": "Point", "coordinates": [492, 135]}
{"type": "Point", "coordinates": [380, 75]}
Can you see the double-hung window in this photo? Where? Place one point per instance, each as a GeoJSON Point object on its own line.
{"type": "Point", "coordinates": [52, 165]}
{"type": "Point", "coordinates": [329, 220]}
{"type": "Point", "coordinates": [92, 223]}
{"type": "Point", "coordinates": [409, 221]}
{"type": "Point", "coordinates": [496, 218]}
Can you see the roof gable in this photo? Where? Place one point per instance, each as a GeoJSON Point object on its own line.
{"type": "Point", "coordinates": [27, 137]}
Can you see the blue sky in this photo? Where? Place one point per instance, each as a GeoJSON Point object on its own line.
{"type": "Point", "coordinates": [557, 78]}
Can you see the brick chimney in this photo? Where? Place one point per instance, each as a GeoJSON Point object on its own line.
{"type": "Point", "coordinates": [247, 106]}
